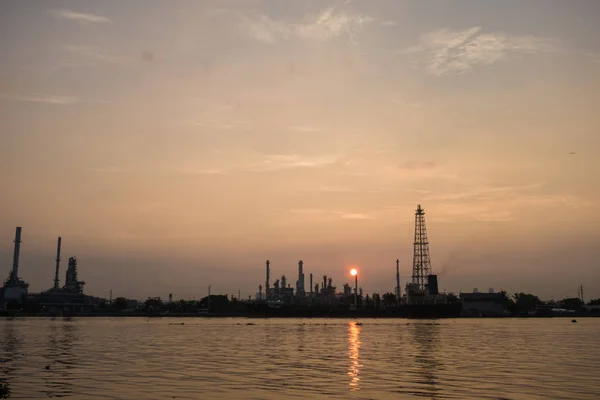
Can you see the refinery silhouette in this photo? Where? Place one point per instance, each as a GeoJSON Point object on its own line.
{"type": "Point", "coordinates": [421, 297]}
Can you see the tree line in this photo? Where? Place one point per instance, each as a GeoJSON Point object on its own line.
{"type": "Point", "coordinates": [516, 303]}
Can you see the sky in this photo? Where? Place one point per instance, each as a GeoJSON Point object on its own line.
{"type": "Point", "coordinates": [177, 144]}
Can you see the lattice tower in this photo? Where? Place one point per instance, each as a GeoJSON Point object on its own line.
{"type": "Point", "coordinates": [421, 259]}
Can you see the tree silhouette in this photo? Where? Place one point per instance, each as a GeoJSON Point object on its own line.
{"type": "Point", "coordinates": [389, 299]}
{"type": "Point", "coordinates": [526, 302]}
{"type": "Point", "coordinates": [572, 303]}
{"type": "Point", "coordinates": [120, 303]}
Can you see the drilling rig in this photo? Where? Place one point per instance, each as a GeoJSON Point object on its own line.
{"type": "Point", "coordinates": [422, 295]}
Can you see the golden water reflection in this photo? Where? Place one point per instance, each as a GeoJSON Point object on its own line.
{"type": "Point", "coordinates": [353, 348]}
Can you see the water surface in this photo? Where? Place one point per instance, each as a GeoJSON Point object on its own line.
{"type": "Point", "coordinates": [158, 358]}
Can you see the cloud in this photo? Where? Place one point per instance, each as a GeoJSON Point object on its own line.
{"type": "Point", "coordinates": [43, 98]}
{"type": "Point", "coordinates": [341, 214]}
{"type": "Point", "coordinates": [335, 189]}
{"type": "Point", "coordinates": [269, 163]}
{"type": "Point", "coordinates": [304, 128]}
{"type": "Point", "coordinates": [176, 170]}
{"type": "Point", "coordinates": [110, 170]}
{"type": "Point", "coordinates": [594, 57]}
{"type": "Point", "coordinates": [482, 193]}
{"type": "Point", "coordinates": [498, 216]}
{"type": "Point", "coordinates": [94, 53]}
{"type": "Point", "coordinates": [81, 18]}
{"type": "Point", "coordinates": [500, 204]}
{"type": "Point", "coordinates": [326, 25]}
{"type": "Point", "coordinates": [388, 23]}
{"type": "Point", "coordinates": [418, 165]}
{"type": "Point", "coordinates": [406, 104]}
{"type": "Point", "coordinates": [217, 124]}
{"type": "Point", "coordinates": [208, 171]}
{"type": "Point", "coordinates": [447, 52]}
{"type": "Point", "coordinates": [311, 211]}
{"type": "Point", "coordinates": [285, 161]}
{"type": "Point", "coordinates": [354, 215]}
{"type": "Point", "coordinates": [327, 189]}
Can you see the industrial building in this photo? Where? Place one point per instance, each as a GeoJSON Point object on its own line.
{"type": "Point", "coordinates": [69, 298]}
{"type": "Point", "coordinates": [282, 292]}
{"type": "Point", "coordinates": [14, 290]}
{"type": "Point", "coordinates": [483, 304]}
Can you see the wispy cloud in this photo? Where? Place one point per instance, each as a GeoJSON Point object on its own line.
{"type": "Point", "coordinates": [447, 52]}
{"type": "Point", "coordinates": [345, 215]}
{"type": "Point", "coordinates": [418, 165]}
{"type": "Point", "coordinates": [481, 193]}
{"type": "Point", "coordinates": [285, 161]}
{"type": "Point", "coordinates": [42, 98]}
{"type": "Point", "coordinates": [268, 163]}
{"type": "Point", "coordinates": [169, 170]}
{"type": "Point", "coordinates": [311, 211]}
{"type": "Point", "coordinates": [407, 104]}
{"type": "Point", "coordinates": [501, 203]}
{"type": "Point", "coordinates": [494, 216]}
{"type": "Point", "coordinates": [326, 189]}
{"type": "Point", "coordinates": [82, 18]}
{"type": "Point", "coordinates": [304, 128]}
{"type": "Point", "coordinates": [388, 23]}
{"type": "Point", "coordinates": [221, 125]}
{"type": "Point", "coordinates": [326, 25]}
{"type": "Point", "coordinates": [335, 189]}
{"type": "Point", "coordinates": [594, 57]}
{"type": "Point", "coordinates": [110, 170]}
{"type": "Point", "coordinates": [94, 53]}
{"type": "Point", "coordinates": [340, 214]}
{"type": "Point", "coordinates": [206, 171]}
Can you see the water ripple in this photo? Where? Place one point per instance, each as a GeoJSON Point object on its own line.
{"type": "Point", "coordinates": [138, 358]}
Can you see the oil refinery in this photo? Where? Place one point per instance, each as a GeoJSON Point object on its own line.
{"type": "Point", "coordinates": [281, 297]}
{"type": "Point", "coordinates": [69, 298]}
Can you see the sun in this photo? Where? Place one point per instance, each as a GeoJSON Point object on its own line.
{"type": "Point", "coordinates": [353, 272]}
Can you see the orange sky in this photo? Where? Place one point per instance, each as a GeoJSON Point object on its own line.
{"type": "Point", "coordinates": [177, 144]}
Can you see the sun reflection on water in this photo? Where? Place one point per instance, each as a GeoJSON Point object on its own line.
{"type": "Point", "coordinates": [353, 347]}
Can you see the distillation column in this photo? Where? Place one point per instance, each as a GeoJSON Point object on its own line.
{"type": "Point", "coordinates": [56, 280]}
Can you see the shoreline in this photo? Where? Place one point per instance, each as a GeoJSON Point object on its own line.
{"type": "Point", "coordinates": [251, 316]}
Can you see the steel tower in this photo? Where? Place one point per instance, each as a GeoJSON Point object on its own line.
{"type": "Point", "coordinates": [421, 260]}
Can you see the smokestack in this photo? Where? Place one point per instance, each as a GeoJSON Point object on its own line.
{"type": "Point", "coordinates": [56, 280]}
{"type": "Point", "coordinates": [15, 270]}
{"type": "Point", "coordinates": [267, 282]}
{"type": "Point", "coordinates": [397, 281]}
{"type": "Point", "coordinates": [311, 285]}
{"type": "Point", "coordinates": [300, 286]}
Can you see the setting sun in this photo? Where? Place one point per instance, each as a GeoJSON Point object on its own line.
{"type": "Point", "coordinates": [353, 272]}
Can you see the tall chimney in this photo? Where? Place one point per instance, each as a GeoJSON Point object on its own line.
{"type": "Point", "coordinates": [311, 285]}
{"type": "Point", "coordinates": [56, 280]}
{"type": "Point", "coordinates": [300, 289]}
{"type": "Point", "coordinates": [397, 281]}
{"type": "Point", "coordinates": [15, 270]}
{"type": "Point", "coordinates": [267, 282]}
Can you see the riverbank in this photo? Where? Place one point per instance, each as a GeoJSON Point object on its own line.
{"type": "Point", "coordinates": [335, 315]}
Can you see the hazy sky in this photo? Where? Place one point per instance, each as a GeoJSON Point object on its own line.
{"type": "Point", "coordinates": [173, 144]}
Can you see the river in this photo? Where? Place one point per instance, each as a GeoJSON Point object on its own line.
{"type": "Point", "coordinates": [199, 358]}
